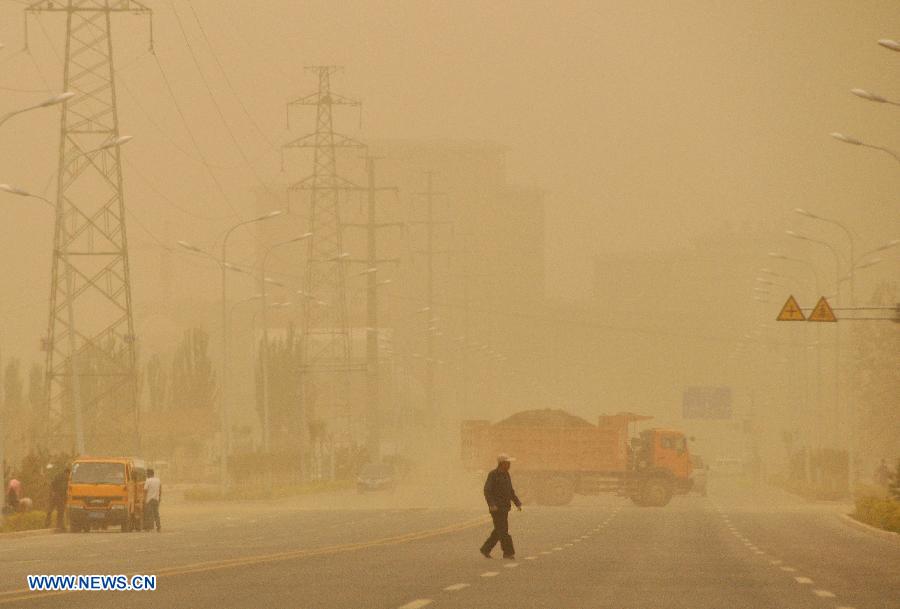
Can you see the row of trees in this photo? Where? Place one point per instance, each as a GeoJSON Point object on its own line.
{"type": "Point", "coordinates": [177, 414]}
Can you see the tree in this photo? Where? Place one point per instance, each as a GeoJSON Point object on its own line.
{"type": "Point", "coordinates": [183, 415]}
{"type": "Point", "coordinates": [876, 379]}
{"type": "Point", "coordinates": [157, 384]}
{"type": "Point", "coordinates": [285, 419]}
{"type": "Point", "coordinates": [14, 412]}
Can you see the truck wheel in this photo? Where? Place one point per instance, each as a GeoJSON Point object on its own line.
{"type": "Point", "coordinates": [556, 491]}
{"type": "Point", "coordinates": [656, 492]}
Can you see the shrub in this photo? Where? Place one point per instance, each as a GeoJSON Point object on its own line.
{"type": "Point", "coordinates": [26, 521]}
{"type": "Point", "coordinates": [878, 512]}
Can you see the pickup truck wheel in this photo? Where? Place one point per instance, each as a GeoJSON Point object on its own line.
{"type": "Point", "coordinates": [656, 492]}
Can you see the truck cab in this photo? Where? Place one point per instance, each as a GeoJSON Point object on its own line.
{"type": "Point", "coordinates": [661, 467]}
{"type": "Point", "coordinates": [106, 491]}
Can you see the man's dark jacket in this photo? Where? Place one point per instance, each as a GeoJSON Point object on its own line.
{"type": "Point", "coordinates": [498, 490]}
{"type": "Point", "coordinates": [59, 486]}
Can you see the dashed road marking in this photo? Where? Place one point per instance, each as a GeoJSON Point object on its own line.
{"type": "Point", "coordinates": [776, 562]}
{"type": "Point", "coordinates": [417, 604]}
{"type": "Point", "coordinates": [546, 552]}
{"type": "Point", "coordinates": [823, 593]}
{"type": "Point", "coordinates": [557, 549]}
{"type": "Point", "coordinates": [758, 552]}
{"type": "Point", "coordinates": [531, 557]}
{"type": "Point", "coordinates": [512, 565]}
{"type": "Point", "coordinates": [788, 569]}
{"type": "Point", "coordinates": [456, 587]}
{"type": "Point", "coordinates": [803, 580]}
{"type": "Point", "coordinates": [567, 545]}
{"type": "Point", "coordinates": [490, 574]}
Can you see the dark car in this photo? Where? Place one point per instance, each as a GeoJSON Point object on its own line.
{"type": "Point", "coordinates": [375, 477]}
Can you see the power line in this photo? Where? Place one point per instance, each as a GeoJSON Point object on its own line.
{"type": "Point", "coordinates": [216, 105]}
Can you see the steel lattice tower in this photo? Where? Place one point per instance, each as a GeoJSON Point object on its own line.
{"type": "Point", "coordinates": [326, 348]}
{"type": "Point", "coordinates": [91, 378]}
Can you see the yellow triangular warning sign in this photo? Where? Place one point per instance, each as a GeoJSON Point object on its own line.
{"type": "Point", "coordinates": [822, 312]}
{"type": "Point", "coordinates": [790, 311]}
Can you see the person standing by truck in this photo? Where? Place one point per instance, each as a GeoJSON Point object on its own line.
{"type": "Point", "coordinates": [499, 494]}
{"type": "Point", "coordinates": [152, 499]}
{"type": "Point", "coordinates": [58, 488]}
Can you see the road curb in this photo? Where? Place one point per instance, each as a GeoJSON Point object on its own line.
{"type": "Point", "coordinates": [847, 518]}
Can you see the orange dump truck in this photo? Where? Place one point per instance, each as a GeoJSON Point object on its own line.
{"type": "Point", "coordinates": [559, 455]}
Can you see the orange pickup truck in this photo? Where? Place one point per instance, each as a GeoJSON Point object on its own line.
{"type": "Point", "coordinates": [106, 491]}
{"type": "Point", "coordinates": [560, 455]}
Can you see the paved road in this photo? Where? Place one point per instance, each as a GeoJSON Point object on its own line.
{"type": "Point", "coordinates": [744, 549]}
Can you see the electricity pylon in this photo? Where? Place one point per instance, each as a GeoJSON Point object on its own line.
{"type": "Point", "coordinates": [91, 377]}
{"type": "Point", "coordinates": [372, 266]}
{"type": "Point", "coordinates": [429, 252]}
{"type": "Point", "coordinates": [325, 348]}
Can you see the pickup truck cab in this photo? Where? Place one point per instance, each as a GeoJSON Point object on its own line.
{"type": "Point", "coordinates": [106, 491]}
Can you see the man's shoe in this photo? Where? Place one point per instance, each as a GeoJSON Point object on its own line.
{"type": "Point", "coordinates": [485, 554]}
{"type": "Point", "coordinates": [509, 556]}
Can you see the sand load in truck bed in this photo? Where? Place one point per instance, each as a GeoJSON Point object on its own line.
{"type": "Point", "coordinates": [548, 440]}
{"type": "Point", "coordinates": [547, 417]}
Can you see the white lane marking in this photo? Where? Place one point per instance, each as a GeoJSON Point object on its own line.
{"type": "Point", "coordinates": [456, 587]}
{"type": "Point", "coordinates": [776, 562]}
{"type": "Point", "coordinates": [416, 604]}
{"type": "Point", "coordinates": [531, 557]}
{"type": "Point", "coordinates": [758, 552]}
{"type": "Point", "coordinates": [803, 580]}
{"type": "Point", "coordinates": [490, 574]}
{"type": "Point", "coordinates": [511, 565]}
{"type": "Point", "coordinates": [788, 569]}
{"type": "Point", "coordinates": [546, 552]}
{"type": "Point", "coordinates": [567, 545]}
{"type": "Point", "coordinates": [557, 549]}
{"type": "Point", "coordinates": [823, 593]}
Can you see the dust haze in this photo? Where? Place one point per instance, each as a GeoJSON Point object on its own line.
{"type": "Point", "coordinates": [351, 242]}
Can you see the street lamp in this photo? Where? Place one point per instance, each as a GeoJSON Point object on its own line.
{"type": "Point", "coordinates": [873, 97]}
{"type": "Point", "coordinates": [265, 321]}
{"type": "Point", "coordinates": [224, 267]}
{"type": "Point", "coordinates": [225, 336]}
{"type": "Point", "coordinates": [891, 45]}
{"type": "Point", "coordinates": [847, 139]}
{"type": "Point", "coordinates": [53, 101]}
{"type": "Point", "coordinates": [809, 214]}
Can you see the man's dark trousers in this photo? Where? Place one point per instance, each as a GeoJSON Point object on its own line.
{"type": "Point", "coordinates": [60, 506]}
{"type": "Point", "coordinates": [151, 514]}
{"type": "Point", "coordinates": [500, 533]}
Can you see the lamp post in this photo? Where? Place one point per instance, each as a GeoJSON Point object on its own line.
{"type": "Point", "coordinates": [264, 280]}
{"type": "Point", "coordinates": [849, 234]}
{"type": "Point", "coordinates": [70, 311]}
{"type": "Point", "coordinates": [225, 266]}
{"type": "Point", "coordinates": [873, 97]}
{"type": "Point", "coordinates": [837, 342]}
{"type": "Point", "coordinates": [53, 101]}
{"type": "Point", "coordinates": [847, 139]}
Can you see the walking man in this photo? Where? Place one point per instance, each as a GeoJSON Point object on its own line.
{"type": "Point", "coordinates": [499, 494]}
{"type": "Point", "coordinates": [58, 488]}
{"type": "Point", "coordinates": [152, 499]}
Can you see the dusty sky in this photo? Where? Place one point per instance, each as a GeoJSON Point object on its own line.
{"type": "Point", "coordinates": [647, 123]}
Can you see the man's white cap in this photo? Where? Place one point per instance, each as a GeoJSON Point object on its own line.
{"type": "Point", "coordinates": [504, 457]}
